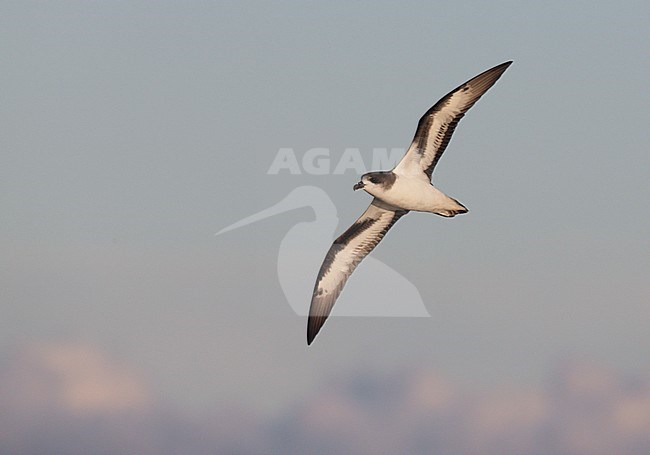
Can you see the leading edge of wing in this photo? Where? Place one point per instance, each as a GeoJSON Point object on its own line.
{"type": "Point", "coordinates": [437, 125]}
{"type": "Point", "coordinates": [346, 252]}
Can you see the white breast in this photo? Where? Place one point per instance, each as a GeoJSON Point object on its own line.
{"type": "Point", "coordinates": [413, 194]}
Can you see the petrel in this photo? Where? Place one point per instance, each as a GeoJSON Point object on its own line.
{"type": "Point", "coordinates": [396, 192]}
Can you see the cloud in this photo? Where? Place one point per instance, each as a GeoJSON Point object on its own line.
{"type": "Point", "coordinates": [72, 398]}
{"type": "Point", "coordinates": [72, 377]}
{"type": "Point", "coordinates": [584, 410]}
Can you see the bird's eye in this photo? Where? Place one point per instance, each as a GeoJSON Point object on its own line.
{"type": "Point", "coordinates": [372, 179]}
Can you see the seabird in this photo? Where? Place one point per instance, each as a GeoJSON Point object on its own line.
{"type": "Point", "coordinates": [396, 192]}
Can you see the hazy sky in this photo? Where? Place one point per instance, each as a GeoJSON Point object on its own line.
{"type": "Point", "coordinates": [133, 131]}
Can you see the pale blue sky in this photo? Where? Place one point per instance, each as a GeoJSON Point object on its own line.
{"type": "Point", "coordinates": [132, 131]}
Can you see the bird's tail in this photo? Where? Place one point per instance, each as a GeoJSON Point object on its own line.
{"type": "Point", "coordinates": [455, 208]}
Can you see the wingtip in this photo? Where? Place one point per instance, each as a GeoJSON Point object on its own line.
{"type": "Point", "coordinates": [311, 334]}
{"type": "Point", "coordinates": [503, 66]}
{"type": "Point", "coordinates": [500, 68]}
{"type": "Point", "coordinates": [314, 325]}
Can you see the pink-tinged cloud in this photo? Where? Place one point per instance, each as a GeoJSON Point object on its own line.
{"type": "Point", "coordinates": [72, 398]}
{"type": "Point", "coordinates": [72, 377]}
{"type": "Point", "coordinates": [585, 410]}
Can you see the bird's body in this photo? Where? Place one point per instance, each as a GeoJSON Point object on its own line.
{"type": "Point", "coordinates": [405, 188]}
{"type": "Point", "coordinates": [416, 193]}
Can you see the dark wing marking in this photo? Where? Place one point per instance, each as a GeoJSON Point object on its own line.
{"type": "Point", "coordinates": [437, 125]}
{"type": "Point", "coordinates": [344, 255]}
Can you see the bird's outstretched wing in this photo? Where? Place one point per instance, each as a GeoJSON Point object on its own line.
{"type": "Point", "coordinates": [437, 125]}
{"type": "Point", "coordinates": [343, 257]}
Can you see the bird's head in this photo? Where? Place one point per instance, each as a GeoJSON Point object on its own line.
{"type": "Point", "coordinates": [376, 182]}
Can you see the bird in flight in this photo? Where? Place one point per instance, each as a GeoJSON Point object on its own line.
{"type": "Point", "coordinates": [396, 192]}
